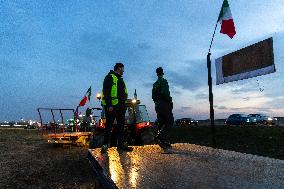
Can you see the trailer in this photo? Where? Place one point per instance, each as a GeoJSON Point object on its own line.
{"type": "Point", "coordinates": [59, 132]}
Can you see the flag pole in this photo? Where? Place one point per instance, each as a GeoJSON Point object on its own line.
{"type": "Point", "coordinates": [210, 92]}
{"type": "Point", "coordinates": [213, 37]}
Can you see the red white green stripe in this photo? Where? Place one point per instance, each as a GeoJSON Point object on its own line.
{"type": "Point", "coordinates": [86, 97]}
{"type": "Point", "coordinates": [226, 19]}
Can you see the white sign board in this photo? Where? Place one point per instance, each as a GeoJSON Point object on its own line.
{"type": "Point", "coordinates": [251, 61]}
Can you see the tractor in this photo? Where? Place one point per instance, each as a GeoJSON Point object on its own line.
{"type": "Point", "coordinates": [137, 126]}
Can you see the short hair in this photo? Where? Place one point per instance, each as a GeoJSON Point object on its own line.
{"type": "Point", "coordinates": [118, 65]}
{"type": "Point", "coordinates": [160, 71]}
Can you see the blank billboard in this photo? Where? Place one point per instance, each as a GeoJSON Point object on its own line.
{"type": "Point", "coordinates": [251, 61]}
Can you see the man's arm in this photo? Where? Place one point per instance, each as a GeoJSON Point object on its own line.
{"type": "Point", "coordinates": [165, 92]}
{"type": "Point", "coordinates": [107, 90]}
{"type": "Point", "coordinates": [155, 92]}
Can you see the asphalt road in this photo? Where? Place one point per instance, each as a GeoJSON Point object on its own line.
{"type": "Point", "coordinates": [190, 166]}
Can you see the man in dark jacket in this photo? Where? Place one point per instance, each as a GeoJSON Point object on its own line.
{"type": "Point", "coordinates": [163, 106]}
{"type": "Point", "coordinates": [114, 96]}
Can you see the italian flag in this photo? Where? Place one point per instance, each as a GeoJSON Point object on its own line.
{"type": "Point", "coordinates": [86, 97]}
{"type": "Point", "coordinates": [226, 20]}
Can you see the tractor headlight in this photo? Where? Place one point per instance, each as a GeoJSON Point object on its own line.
{"type": "Point", "coordinates": [134, 101]}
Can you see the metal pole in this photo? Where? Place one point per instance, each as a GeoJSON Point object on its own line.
{"type": "Point", "coordinates": [62, 121]}
{"type": "Point", "coordinates": [211, 101]}
{"type": "Point", "coordinates": [210, 91]}
{"type": "Point", "coordinates": [40, 120]}
{"type": "Point", "coordinates": [75, 118]}
{"type": "Point", "coordinates": [53, 121]}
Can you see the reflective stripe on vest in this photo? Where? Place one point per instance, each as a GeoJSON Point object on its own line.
{"type": "Point", "coordinates": [114, 99]}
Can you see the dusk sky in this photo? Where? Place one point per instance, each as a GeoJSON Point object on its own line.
{"type": "Point", "coordinates": [51, 51]}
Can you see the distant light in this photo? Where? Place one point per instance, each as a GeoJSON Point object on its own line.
{"type": "Point", "coordinates": [99, 96]}
{"type": "Point", "coordinates": [134, 101]}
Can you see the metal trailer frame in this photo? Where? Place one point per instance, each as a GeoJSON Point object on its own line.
{"type": "Point", "coordinates": [60, 136]}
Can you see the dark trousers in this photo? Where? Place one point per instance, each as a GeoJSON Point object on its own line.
{"type": "Point", "coordinates": [165, 118]}
{"type": "Point", "coordinates": [119, 115]}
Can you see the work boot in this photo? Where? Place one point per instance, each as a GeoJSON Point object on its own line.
{"type": "Point", "coordinates": [167, 144]}
{"type": "Point", "coordinates": [168, 151]}
{"type": "Point", "coordinates": [104, 148]}
{"type": "Point", "coordinates": [164, 145]}
{"type": "Point", "coordinates": [125, 148]}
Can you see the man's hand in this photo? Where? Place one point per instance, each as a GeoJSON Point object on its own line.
{"type": "Point", "coordinates": [110, 109]}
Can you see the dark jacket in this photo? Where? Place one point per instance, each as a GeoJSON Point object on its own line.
{"type": "Point", "coordinates": [160, 91]}
{"type": "Point", "coordinates": [121, 95]}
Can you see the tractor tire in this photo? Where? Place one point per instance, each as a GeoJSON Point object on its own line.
{"type": "Point", "coordinates": [147, 136]}
{"type": "Point", "coordinates": [98, 139]}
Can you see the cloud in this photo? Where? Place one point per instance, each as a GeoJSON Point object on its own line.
{"type": "Point", "coordinates": [183, 109]}
{"type": "Point", "coordinates": [147, 85]}
{"type": "Point", "coordinates": [105, 46]}
{"type": "Point", "coordinates": [243, 90]}
{"type": "Point", "coordinates": [144, 46]}
{"type": "Point", "coordinates": [189, 77]}
{"type": "Point", "coordinates": [220, 107]}
{"type": "Point", "coordinates": [254, 109]}
{"type": "Point", "coordinates": [276, 102]}
{"type": "Point", "coordinates": [175, 91]}
{"type": "Point", "coordinates": [246, 98]}
{"type": "Point", "coordinates": [201, 96]}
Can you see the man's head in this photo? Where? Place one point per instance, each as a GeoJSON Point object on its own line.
{"type": "Point", "coordinates": [160, 71]}
{"type": "Point", "coordinates": [119, 68]}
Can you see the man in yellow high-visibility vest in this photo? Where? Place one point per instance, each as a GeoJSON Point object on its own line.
{"type": "Point", "coordinates": [114, 96]}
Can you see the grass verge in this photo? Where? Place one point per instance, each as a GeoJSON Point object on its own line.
{"type": "Point", "coordinates": [258, 140]}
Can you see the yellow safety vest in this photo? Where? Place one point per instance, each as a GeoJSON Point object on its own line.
{"type": "Point", "coordinates": [113, 94]}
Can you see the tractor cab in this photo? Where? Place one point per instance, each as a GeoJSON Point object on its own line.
{"type": "Point", "coordinates": [137, 121]}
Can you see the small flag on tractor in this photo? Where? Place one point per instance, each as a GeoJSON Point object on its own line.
{"type": "Point", "coordinates": [86, 97]}
{"type": "Point", "coordinates": [76, 113]}
{"type": "Point", "coordinates": [226, 19]}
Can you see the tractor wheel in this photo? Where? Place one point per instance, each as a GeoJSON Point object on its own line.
{"type": "Point", "coordinates": [147, 136]}
{"type": "Point", "coordinates": [98, 139]}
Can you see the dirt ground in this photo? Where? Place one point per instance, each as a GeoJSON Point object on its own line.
{"type": "Point", "coordinates": [26, 161]}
